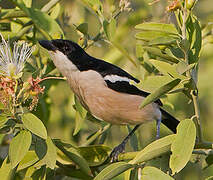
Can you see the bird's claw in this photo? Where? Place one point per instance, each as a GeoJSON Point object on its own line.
{"type": "Point", "coordinates": [116, 151]}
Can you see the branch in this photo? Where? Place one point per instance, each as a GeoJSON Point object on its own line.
{"type": "Point", "coordinates": [204, 148]}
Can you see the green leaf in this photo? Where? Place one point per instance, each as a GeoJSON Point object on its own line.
{"type": "Point", "coordinates": [183, 145]}
{"type": "Point", "coordinates": [150, 173]}
{"type": "Point", "coordinates": [159, 92]}
{"type": "Point", "coordinates": [157, 52]}
{"type": "Point", "coordinates": [96, 5]}
{"type": "Point", "coordinates": [163, 41]}
{"type": "Point", "coordinates": [55, 11]}
{"type": "Point", "coordinates": [19, 147]}
{"type": "Point", "coordinates": [15, 27]}
{"type": "Point", "coordinates": [6, 170]}
{"type": "Point", "coordinates": [50, 157]}
{"type": "Point", "coordinates": [182, 67]}
{"type": "Point", "coordinates": [153, 37]}
{"type": "Point", "coordinates": [83, 28]}
{"type": "Point", "coordinates": [195, 38]}
{"type": "Point", "coordinates": [80, 116]}
{"type": "Point", "coordinates": [29, 159]}
{"type": "Point", "coordinates": [113, 170]}
{"type": "Point", "coordinates": [95, 154]}
{"type": "Point", "coordinates": [154, 149]}
{"type": "Point", "coordinates": [152, 83]}
{"type": "Point", "coordinates": [28, 3]}
{"type": "Point", "coordinates": [42, 20]}
{"type": "Point", "coordinates": [166, 68]}
{"type": "Point", "coordinates": [151, 26]}
{"type": "Point", "coordinates": [110, 28]}
{"type": "Point", "coordinates": [3, 120]}
{"type": "Point", "coordinates": [73, 154]}
{"type": "Point", "coordinates": [35, 125]}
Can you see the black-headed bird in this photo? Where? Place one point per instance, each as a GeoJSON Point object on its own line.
{"type": "Point", "coordinates": [105, 90]}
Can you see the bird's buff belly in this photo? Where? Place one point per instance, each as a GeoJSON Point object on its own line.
{"type": "Point", "coordinates": [117, 109]}
{"type": "Point", "coordinates": [112, 106]}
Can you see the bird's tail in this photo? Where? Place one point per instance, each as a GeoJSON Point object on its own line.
{"type": "Point", "coordinates": [169, 121]}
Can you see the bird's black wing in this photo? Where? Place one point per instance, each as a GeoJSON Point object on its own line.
{"type": "Point", "coordinates": [116, 78]}
{"type": "Point", "coordinates": [126, 87]}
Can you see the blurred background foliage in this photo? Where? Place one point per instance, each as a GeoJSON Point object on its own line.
{"type": "Point", "coordinates": [56, 107]}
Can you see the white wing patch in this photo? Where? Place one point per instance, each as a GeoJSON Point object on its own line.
{"type": "Point", "coordinates": [115, 78]}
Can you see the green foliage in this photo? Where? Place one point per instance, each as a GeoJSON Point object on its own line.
{"type": "Point", "coordinates": [167, 59]}
{"type": "Point", "coordinates": [35, 125]}
{"type": "Point", "coordinates": [113, 170]}
{"type": "Point", "coordinates": [186, 134]}
{"type": "Point", "coordinates": [150, 173]}
{"type": "Point", "coordinates": [19, 147]}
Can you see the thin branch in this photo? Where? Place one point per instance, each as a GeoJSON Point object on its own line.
{"type": "Point", "coordinates": [189, 74]}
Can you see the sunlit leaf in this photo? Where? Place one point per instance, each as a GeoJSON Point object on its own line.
{"type": "Point", "coordinates": [154, 149]}
{"type": "Point", "coordinates": [55, 11]}
{"type": "Point", "coordinates": [150, 173]}
{"type": "Point", "coordinates": [163, 41]}
{"type": "Point", "coordinates": [3, 120]}
{"type": "Point", "coordinates": [15, 27]}
{"type": "Point", "coordinates": [155, 37]}
{"type": "Point", "coordinates": [35, 125]}
{"type": "Point", "coordinates": [159, 92]}
{"type": "Point", "coordinates": [6, 170]}
{"type": "Point", "coordinates": [29, 159]}
{"type": "Point", "coordinates": [113, 170]}
{"type": "Point", "coordinates": [19, 147]}
{"type": "Point", "coordinates": [96, 5]}
{"type": "Point", "coordinates": [151, 26]}
{"type": "Point", "coordinates": [186, 135]}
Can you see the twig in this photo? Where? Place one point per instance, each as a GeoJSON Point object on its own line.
{"type": "Point", "coordinates": [189, 74]}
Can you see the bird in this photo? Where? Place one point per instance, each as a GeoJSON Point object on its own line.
{"type": "Point", "coordinates": [105, 90]}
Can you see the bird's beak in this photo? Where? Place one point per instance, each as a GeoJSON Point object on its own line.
{"type": "Point", "coordinates": [47, 45]}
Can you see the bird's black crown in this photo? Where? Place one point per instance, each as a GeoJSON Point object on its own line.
{"type": "Point", "coordinates": [65, 46]}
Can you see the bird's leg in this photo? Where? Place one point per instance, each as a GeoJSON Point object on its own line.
{"type": "Point", "coordinates": [158, 122]}
{"type": "Point", "coordinates": [121, 147]}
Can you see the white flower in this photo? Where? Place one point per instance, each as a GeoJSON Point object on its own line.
{"type": "Point", "coordinates": [12, 61]}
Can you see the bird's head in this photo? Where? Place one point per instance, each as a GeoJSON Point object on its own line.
{"type": "Point", "coordinates": [66, 47]}
{"type": "Point", "coordinates": [65, 54]}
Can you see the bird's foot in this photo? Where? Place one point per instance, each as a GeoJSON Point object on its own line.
{"type": "Point", "coordinates": [116, 151]}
